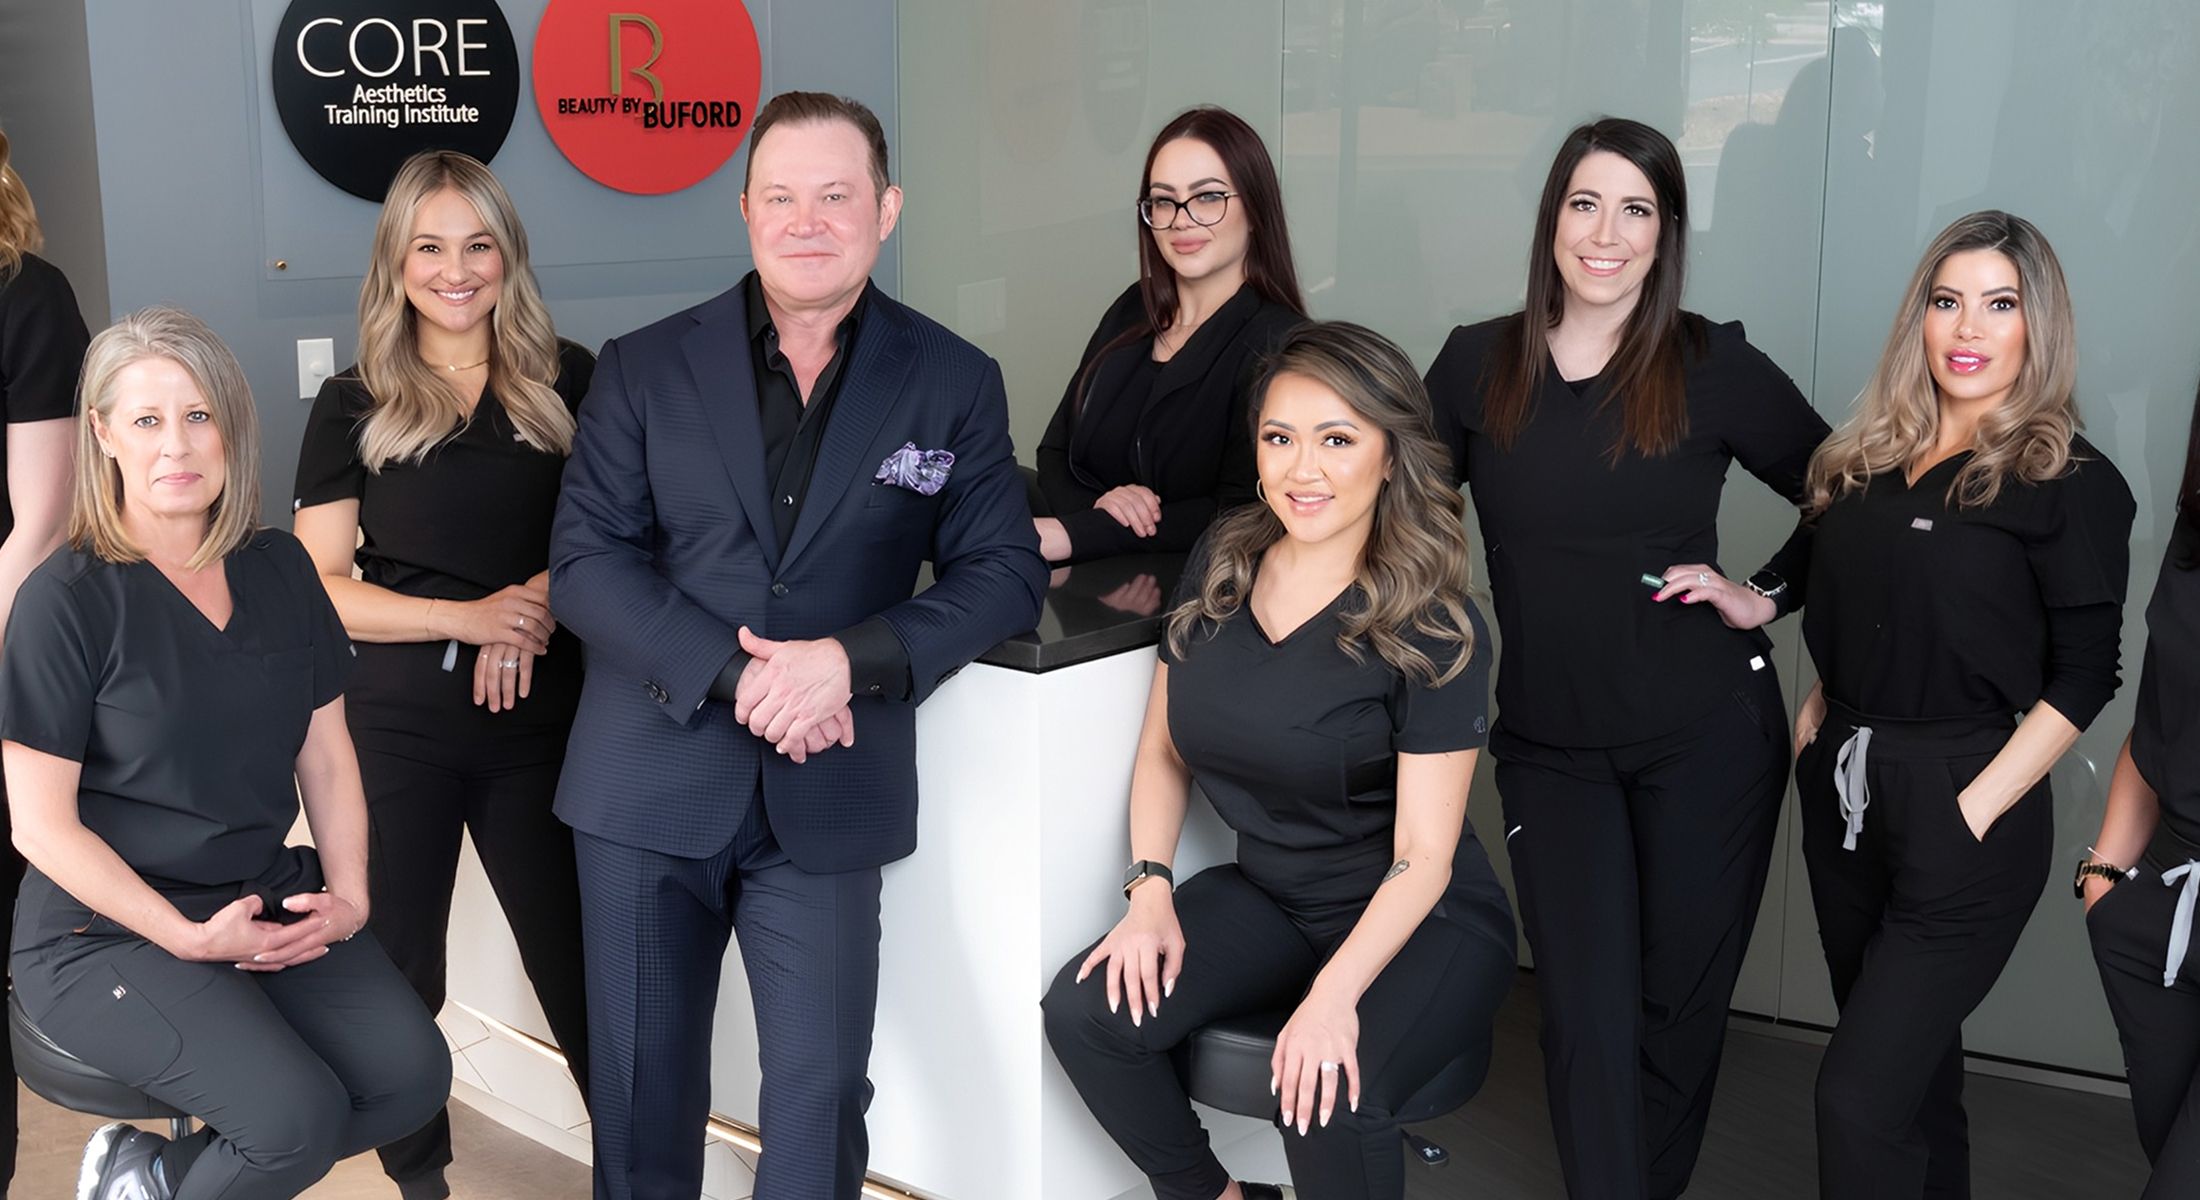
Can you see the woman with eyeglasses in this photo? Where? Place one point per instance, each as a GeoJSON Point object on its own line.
{"type": "Point", "coordinates": [1147, 445]}
{"type": "Point", "coordinates": [1641, 749]}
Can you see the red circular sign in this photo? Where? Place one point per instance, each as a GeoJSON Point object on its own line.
{"type": "Point", "coordinates": [647, 96]}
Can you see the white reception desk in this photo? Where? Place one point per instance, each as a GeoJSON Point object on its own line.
{"type": "Point", "coordinates": [1023, 763]}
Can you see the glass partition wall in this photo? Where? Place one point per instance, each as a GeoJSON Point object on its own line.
{"type": "Point", "coordinates": [1825, 144]}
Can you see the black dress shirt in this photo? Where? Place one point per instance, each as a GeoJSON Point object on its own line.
{"type": "Point", "coordinates": [794, 428]}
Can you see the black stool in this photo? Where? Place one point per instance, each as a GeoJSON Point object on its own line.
{"type": "Point", "coordinates": [1225, 1065]}
{"type": "Point", "coordinates": [68, 1081]}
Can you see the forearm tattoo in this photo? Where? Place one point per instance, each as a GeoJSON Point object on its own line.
{"type": "Point", "coordinates": [1396, 869]}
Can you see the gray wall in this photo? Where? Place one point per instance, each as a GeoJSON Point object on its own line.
{"type": "Point", "coordinates": [45, 107]}
{"type": "Point", "coordinates": [193, 175]}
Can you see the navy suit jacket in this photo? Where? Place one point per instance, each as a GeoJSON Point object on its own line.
{"type": "Point", "coordinates": [664, 546]}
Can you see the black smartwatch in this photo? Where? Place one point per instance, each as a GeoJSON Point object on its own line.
{"type": "Point", "coordinates": [1768, 585]}
{"type": "Point", "coordinates": [1143, 870]}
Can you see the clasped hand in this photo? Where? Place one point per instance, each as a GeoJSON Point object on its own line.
{"type": "Point", "coordinates": [237, 935]}
{"type": "Point", "coordinates": [795, 694]}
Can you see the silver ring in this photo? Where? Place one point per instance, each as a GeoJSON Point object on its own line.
{"type": "Point", "coordinates": [510, 664]}
{"type": "Point", "coordinates": [1329, 1068]}
{"type": "Point", "coordinates": [522, 623]}
{"type": "Point", "coordinates": [1702, 578]}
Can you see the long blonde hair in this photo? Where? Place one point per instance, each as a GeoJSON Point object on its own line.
{"type": "Point", "coordinates": [1413, 570]}
{"type": "Point", "coordinates": [19, 232]}
{"type": "Point", "coordinates": [1897, 418]}
{"type": "Point", "coordinates": [95, 504]}
{"type": "Point", "coordinates": [414, 410]}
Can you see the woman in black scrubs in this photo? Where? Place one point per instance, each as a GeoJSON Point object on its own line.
{"type": "Point", "coordinates": [42, 340]}
{"type": "Point", "coordinates": [444, 447]}
{"type": "Point", "coordinates": [1147, 444]}
{"type": "Point", "coordinates": [1323, 679]}
{"type": "Point", "coordinates": [1641, 750]}
{"type": "Point", "coordinates": [172, 689]}
{"type": "Point", "coordinates": [2141, 946]}
{"type": "Point", "coordinates": [1969, 566]}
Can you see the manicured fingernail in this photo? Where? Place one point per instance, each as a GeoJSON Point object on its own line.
{"type": "Point", "coordinates": [256, 958]}
{"type": "Point", "coordinates": [1111, 1004]}
{"type": "Point", "coordinates": [1135, 1015]}
{"type": "Point", "coordinates": [1302, 1128]}
{"type": "Point", "coordinates": [1287, 1119]}
{"type": "Point", "coordinates": [1271, 1085]}
{"type": "Point", "coordinates": [1325, 1118]}
{"type": "Point", "coordinates": [1168, 988]}
{"type": "Point", "coordinates": [1355, 1104]}
{"type": "Point", "coordinates": [1153, 1008]}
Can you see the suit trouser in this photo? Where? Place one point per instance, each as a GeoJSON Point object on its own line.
{"type": "Point", "coordinates": [1243, 953]}
{"type": "Point", "coordinates": [416, 813]}
{"type": "Point", "coordinates": [656, 935]}
{"type": "Point", "coordinates": [1917, 923]}
{"type": "Point", "coordinates": [291, 1071]}
{"type": "Point", "coordinates": [1639, 870]}
{"type": "Point", "coordinates": [2159, 1026]}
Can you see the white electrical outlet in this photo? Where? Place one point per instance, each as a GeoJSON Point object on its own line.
{"type": "Point", "coordinates": [316, 362]}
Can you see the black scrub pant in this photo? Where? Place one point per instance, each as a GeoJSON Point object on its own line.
{"type": "Point", "coordinates": [1639, 869]}
{"type": "Point", "coordinates": [423, 790]}
{"type": "Point", "coordinates": [1917, 923]}
{"type": "Point", "coordinates": [11, 879]}
{"type": "Point", "coordinates": [1245, 953]}
{"type": "Point", "coordinates": [2158, 1023]}
{"type": "Point", "coordinates": [291, 1071]}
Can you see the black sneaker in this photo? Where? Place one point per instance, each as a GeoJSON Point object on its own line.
{"type": "Point", "coordinates": [121, 1162]}
{"type": "Point", "coordinates": [1266, 1191]}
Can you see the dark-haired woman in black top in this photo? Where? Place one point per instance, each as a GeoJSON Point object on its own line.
{"type": "Point", "coordinates": [1641, 738]}
{"type": "Point", "coordinates": [1968, 569]}
{"type": "Point", "coordinates": [2143, 856]}
{"type": "Point", "coordinates": [1148, 443]}
{"type": "Point", "coordinates": [433, 465]}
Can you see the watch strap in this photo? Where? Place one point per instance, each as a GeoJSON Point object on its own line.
{"type": "Point", "coordinates": [1142, 870]}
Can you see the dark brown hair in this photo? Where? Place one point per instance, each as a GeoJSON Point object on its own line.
{"type": "Point", "coordinates": [1645, 372]}
{"type": "Point", "coordinates": [810, 108]}
{"type": "Point", "coordinates": [2188, 493]}
{"type": "Point", "coordinates": [1268, 266]}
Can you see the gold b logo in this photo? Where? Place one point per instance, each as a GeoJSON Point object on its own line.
{"type": "Point", "coordinates": [656, 51]}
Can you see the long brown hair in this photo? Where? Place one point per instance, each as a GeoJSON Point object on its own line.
{"type": "Point", "coordinates": [19, 232]}
{"type": "Point", "coordinates": [2188, 493]}
{"type": "Point", "coordinates": [1413, 569]}
{"type": "Point", "coordinates": [1897, 418]}
{"type": "Point", "coordinates": [1269, 270]}
{"type": "Point", "coordinates": [1645, 373]}
{"type": "Point", "coordinates": [414, 409]}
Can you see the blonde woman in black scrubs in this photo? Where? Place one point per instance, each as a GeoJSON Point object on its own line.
{"type": "Point", "coordinates": [1641, 739]}
{"type": "Point", "coordinates": [2141, 943]}
{"type": "Point", "coordinates": [1968, 570]}
{"type": "Point", "coordinates": [433, 465]}
{"type": "Point", "coordinates": [172, 689]}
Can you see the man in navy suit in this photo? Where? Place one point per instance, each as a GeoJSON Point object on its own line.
{"type": "Point", "coordinates": [754, 486]}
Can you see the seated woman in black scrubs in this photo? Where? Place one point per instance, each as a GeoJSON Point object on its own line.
{"type": "Point", "coordinates": [444, 447]}
{"type": "Point", "coordinates": [2141, 946]}
{"type": "Point", "coordinates": [1969, 566]}
{"type": "Point", "coordinates": [1147, 444]}
{"type": "Point", "coordinates": [172, 689]}
{"type": "Point", "coordinates": [1324, 679]}
{"type": "Point", "coordinates": [1642, 746]}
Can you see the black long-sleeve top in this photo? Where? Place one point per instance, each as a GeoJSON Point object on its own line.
{"type": "Point", "coordinates": [2165, 732]}
{"type": "Point", "coordinates": [1920, 608]}
{"type": "Point", "coordinates": [1589, 658]}
{"type": "Point", "coordinates": [1178, 428]}
{"type": "Point", "coordinates": [42, 343]}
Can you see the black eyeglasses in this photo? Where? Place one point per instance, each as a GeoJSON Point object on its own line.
{"type": "Point", "coordinates": [1204, 208]}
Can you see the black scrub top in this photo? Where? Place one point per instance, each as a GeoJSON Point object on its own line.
{"type": "Point", "coordinates": [1297, 746]}
{"type": "Point", "coordinates": [1920, 609]}
{"type": "Point", "coordinates": [2165, 732]}
{"type": "Point", "coordinates": [1590, 659]}
{"type": "Point", "coordinates": [1178, 428]}
{"type": "Point", "coordinates": [42, 343]}
{"type": "Point", "coordinates": [188, 735]}
{"type": "Point", "coordinates": [469, 519]}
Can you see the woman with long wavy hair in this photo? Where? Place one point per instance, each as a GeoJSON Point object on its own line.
{"type": "Point", "coordinates": [1969, 564]}
{"type": "Point", "coordinates": [1323, 678]}
{"type": "Point", "coordinates": [1145, 447]}
{"type": "Point", "coordinates": [42, 341]}
{"type": "Point", "coordinates": [1641, 741]}
{"type": "Point", "coordinates": [2152, 823]}
{"type": "Point", "coordinates": [433, 467]}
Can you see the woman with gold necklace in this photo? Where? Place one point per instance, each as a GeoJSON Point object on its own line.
{"type": "Point", "coordinates": [433, 465]}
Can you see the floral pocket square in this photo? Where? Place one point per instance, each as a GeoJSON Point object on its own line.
{"type": "Point", "coordinates": [921, 471]}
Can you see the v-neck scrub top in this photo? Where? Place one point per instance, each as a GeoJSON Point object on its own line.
{"type": "Point", "coordinates": [1590, 659]}
{"type": "Point", "coordinates": [1296, 745]}
{"type": "Point", "coordinates": [188, 734]}
{"type": "Point", "coordinates": [1918, 609]}
{"type": "Point", "coordinates": [469, 519]}
{"type": "Point", "coordinates": [2165, 731]}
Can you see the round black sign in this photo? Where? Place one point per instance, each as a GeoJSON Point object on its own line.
{"type": "Point", "coordinates": [362, 85]}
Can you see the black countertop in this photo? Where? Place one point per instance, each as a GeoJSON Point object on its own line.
{"type": "Point", "coordinates": [1094, 610]}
